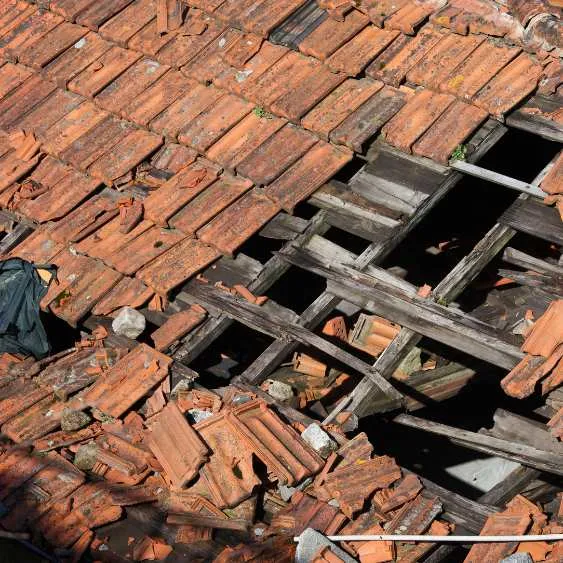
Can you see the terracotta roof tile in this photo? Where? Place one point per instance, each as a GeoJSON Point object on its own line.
{"type": "Point", "coordinates": [415, 517]}
{"type": "Point", "coordinates": [450, 130]}
{"type": "Point", "coordinates": [17, 467]}
{"type": "Point", "coordinates": [209, 203]}
{"type": "Point", "coordinates": [73, 61]}
{"type": "Point", "coordinates": [38, 247]}
{"type": "Point", "coordinates": [185, 109]}
{"type": "Point", "coordinates": [268, 14]}
{"type": "Point", "coordinates": [243, 139]}
{"type": "Point", "coordinates": [402, 55]}
{"type": "Point", "coordinates": [177, 265]}
{"type": "Point", "coordinates": [331, 35]}
{"type": "Point", "coordinates": [143, 248]}
{"type": "Point", "coordinates": [177, 326]}
{"type": "Point", "coordinates": [243, 48]}
{"type": "Point", "coordinates": [232, 11]}
{"type": "Point", "coordinates": [310, 172]}
{"type": "Point", "coordinates": [27, 33]}
{"type": "Point", "coordinates": [33, 423]}
{"type": "Point", "coordinates": [451, 51]}
{"type": "Point", "coordinates": [51, 45]}
{"type": "Point", "coordinates": [128, 380]}
{"type": "Point", "coordinates": [72, 126]}
{"type": "Point", "coordinates": [69, 8]}
{"type": "Point", "coordinates": [132, 150]}
{"type": "Point", "coordinates": [157, 98]}
{"type": "Point", "coordinates": [183, 48]}
{"type": "Point", "coordinates": [11, 76]}
{"type": "Point", "coordinates": [421, 111]}
{"type": "Point", "coordinates": [338, 105]}
{"type": "Point", "coordinates": [95, 211]}
{"type": "Point", "coordinates": [214, 122]}
{"type": "Point", "coordinates": [162, 203]}
{"type": "Point", "coordinates": [238, 222]}
{"type": "Point", "coordinates": [173, 157]}
{"type": "Point", "coordinates": [409, 17]}
{"type": "Point", "coordinates": [482, 65]}
{"type": "Point", "coordinates": [130, 292]}
{"type": "Point", "coordinates": [13, 14]}
{"type": "Point", "coordinates": [13, 168]}
{"type": "Point", "coordinates": [378, 10]}
{"type": "Point", "coordinates": [553, 182]}
{"type": "Point", "coordinates": [96, 13]}
{"type": "Point", "coordinates": [133, 82]}
{"type": "Point", "coordinates": [129, 21]}
{"type": "Point", "coordinates": [276, 154]}
{"type": "Point", "coordinates": [29, 94]}
{"type": "Point", "coordinates": [237, 81]}
{"type": "Point", "coordinates": [514, 82]}
{"type": "Point", "coordinates": [96, 76]}
{"type": "Point", "coordinates": [369, 118]}
{"type": "Point", "coordinates": [149, 41]}
{"type": "Point", "coordinates": [355, 55]}
{"type": "Point", "coordinates": [18, 396]}
{"type": "Point", "coordinates": [176, 445]}
{"type": "Point", "coordinates": [308, 91]}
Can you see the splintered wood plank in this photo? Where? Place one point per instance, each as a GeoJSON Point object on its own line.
{"type": "Point", "coordinates": [238, 222]}
{"type": "Point", "coordinates": [133, 82]}
{"type": "Point", "coordinates": [177, 265]}
{"type": "Point", "coordinates": [309, 173]}
{"type": "Point", "coordinates": [368, 119]}
{"type": "Point", "coordinates": [130, 152]}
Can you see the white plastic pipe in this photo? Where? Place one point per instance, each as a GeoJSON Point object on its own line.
{"type": "Point", "coordinates": [446, 539]}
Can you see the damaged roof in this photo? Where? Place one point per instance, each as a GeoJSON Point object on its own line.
{"type": "Point", "coordinates": [151, 141]}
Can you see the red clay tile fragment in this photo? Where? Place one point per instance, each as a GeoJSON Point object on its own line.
{"type": "Point", "coordinates": [238, 222]}
{"type": "Point", "coordinates": [450, 130]}
{"type": "Point", "coordinates": [420, 112]}
{"type": "Point", "coordinates": [177, 265]}
{"type": "Point", "coordinates": [176, 445]}
{"type": "Point", "coordinates": [308, 174]}
{"type": "Point", "coordinates": [416, 516]}
{"type": "Point", "coordinates": [208, 203]}
{"type": "Point", "coordinates": [331, 35]}
{"type": "Point", "coordinates": [177, 326]}
{"type": "Point", "coordinates": [355, 55]}
{"type": "Point", "coordinates": [512, 84]}
{"type": "Point", "coordinates": [553, 182]}
{"type": "Point", "coordinates": [338, 105]}
{"type": "Point", "coordinates": [276, 154]}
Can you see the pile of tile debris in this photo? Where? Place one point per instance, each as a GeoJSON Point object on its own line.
{"type": "Point", "coordinates": [101, 433]}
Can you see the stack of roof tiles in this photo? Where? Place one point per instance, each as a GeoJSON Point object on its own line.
{"type": "Point", "coordinates": [204, 133]}
{"type": "Point", "coordinates": [79, 453]}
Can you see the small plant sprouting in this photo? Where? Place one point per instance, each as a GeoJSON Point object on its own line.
{"type": "Point", "coordinates": [459, 153]}
{"type": "Point", "coordinates": [261, 113]}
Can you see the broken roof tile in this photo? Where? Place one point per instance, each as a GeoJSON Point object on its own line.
{"type": "Point", "coordinates": [177, 265]}
{"type": "Point", "coordinates": [402, 55]}
{"type": "Point", "coordinates": [127, 381]}
{"type": "Point", "coordinates": [244, 138]}
{"type": "Point", "coordinates": [129, 21]}
{"type": "Point", "coordinates": [130, 292]}
{"type": "Point", "coordinates": [338, 105]}
{"type": "Point", "coordinates": [420, 112]}
{"type": "Point", "coordinates": [276, 154]}
{"type": "Point", "coordinates": [448, 131]}
{"type": "Point", "coordinates": [149, 40]}
{"type": "Point", "coordinates": [131, 150]}
{"type": "Point", "coordinates": [133, 82]}
{"type": "Point", "coordinates": [310, 172]}
{"type": "Point", "coordinates": [177, 326]}
{"type": "Point", "coordinates": [553, 181]}
{"type": "Point", "coordinates": [176, 445]}
{"type": "Point", "coordinates": [211, 201]}
{"type": "Point", "coordinates": [51, 45]}
{"type": "Point", "coordinates": [451, 51]}
{"type": "Point", "coordinates": [509, 86]}
{"type": "Point", "coordinates": [155, 99]}
{"type": "Point", "coordinates": [18, 396]}
{"type": "Point", "coordinates": [310, 89]}
{"type": "Point", "coordinates": [101, 72]}
{"type": "Point", "coordinates": [355, 55]}
{"type": "Point", "coordinates": [185, 109]}
{"type": "Point", "coordinates": [210, 125]}
{"type": "Point", "coordinates": [378, 10]}
{"type": "Point", "coordinates": [238, 222]}
{"type": "Point", "coordinates": [74, 60]}
{"type": "Point", "coordinates": [416, 516]}
{"type": "Point", "coordinates": [143, 248]}
{"type": "Point", "coordinates": [163, 202]}
{"type": "Point", "coordinates": [482, 65]}
{"type": "Point", "coordinates": [332, 34]}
